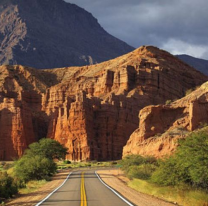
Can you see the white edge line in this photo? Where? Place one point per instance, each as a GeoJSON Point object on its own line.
{"type": "Point", "coordinates": [126, 201]}
{"type": "Point", "coordinates": [54, 190]}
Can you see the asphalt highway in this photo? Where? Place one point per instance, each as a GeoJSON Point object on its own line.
{"type": "Point", "coordinates": [83, 188]}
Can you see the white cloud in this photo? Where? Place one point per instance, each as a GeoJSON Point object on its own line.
{"type": "Point", "coordinates": [181, 24]}
{"type": "Point", "coordinates": [180, 47]}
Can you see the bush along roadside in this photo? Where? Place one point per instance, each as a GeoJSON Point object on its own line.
{"type": "Point", "coordinates": [136, 166]}
{"type": "Point", "coordinates": [8, 186]}
{"type": "Point", "coordinates": [189, 165]}
{"type": "Point", "coordinates": [186, 170]}
{"type": "Point", "coordinates": [36, 164]}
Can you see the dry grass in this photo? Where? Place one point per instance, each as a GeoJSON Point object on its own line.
{"type": "Point", "coordinates": [32, 186]}
{"type": "Point", "coordinates": [183, 195]}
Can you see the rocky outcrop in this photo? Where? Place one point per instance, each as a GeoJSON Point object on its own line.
{"type": "Point", "coordinates": [53, 34]}
{"type": "Point", "coordinates": [92, 110]}
{"type": "Point", "coordinates": [16, 128]}
{"type": "Point", "coordinates": [161, 126]}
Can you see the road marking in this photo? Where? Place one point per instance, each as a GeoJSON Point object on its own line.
{"type": "Point", "coordinates": [83, 193]}
{"type": "Point", "coordinates": [54, 190]}
{"type": "Point", "coordinates": [116, 193]}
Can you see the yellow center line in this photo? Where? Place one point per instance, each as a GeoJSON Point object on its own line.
{"type": "Point", "coordinates": [83, 193]}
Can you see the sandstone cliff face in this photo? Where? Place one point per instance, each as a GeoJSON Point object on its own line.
{"type": "Point", "coordinates": [161, 126]}
{"type": "Point", "coordinates": [53, 34]}
{"type": "Point", "coordinates": [92, 110]}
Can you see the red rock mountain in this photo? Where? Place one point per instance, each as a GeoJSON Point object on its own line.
{"type": "Point", "coordinates": [53, 34]}
{"type": "Point", "coordinates": [91, 109]}
{"type": "Point", "coordinates": [161, 126]}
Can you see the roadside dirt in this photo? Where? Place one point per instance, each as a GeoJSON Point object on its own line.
{"type": "Point", "coordinates": [35, 197]}
{"type": "Point", "coordinates": [116, 180]}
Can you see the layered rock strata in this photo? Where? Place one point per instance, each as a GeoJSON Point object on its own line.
{"type": "Point", "coordinates": [161, 126]}
{"type": "Point", "coordinates": [92, 110]}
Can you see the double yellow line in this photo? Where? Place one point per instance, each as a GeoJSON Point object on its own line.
{"type": "Point", "coordinates": [83, 193]}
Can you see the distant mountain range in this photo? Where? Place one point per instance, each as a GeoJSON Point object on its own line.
{"type": "Point", "coordinates": [199, 64]}
{"type": "Point", "coordinates": [53, 33]}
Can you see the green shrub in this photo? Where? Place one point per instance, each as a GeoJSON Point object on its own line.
{"type": "Point", "coordinates": [189, 165]}
{"type": "Point", "coordinates": [48, 148]}
{"type": "Point", "coordinates": [67, 162]}
{"type": "Point", "coordinates": [8, 188]}
{"type": "Point", "coordinates": [168, 102]}
{"type": "Point", "coordinates": [37, 162]}
{"type": "Point", "coordinates": [7, 166]}
{"type": "Point", "coordinates": [168, 173]}
{"type": "Point", "coordinates": [143, 171]}
{"type": "Point", "coordinates": [136, 166]}
{"type": "Point", "coordinates": [34, 168]}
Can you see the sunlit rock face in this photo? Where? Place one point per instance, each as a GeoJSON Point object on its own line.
{"type": "Point", "coordinates": [92, 110]}
{"type": "Point", "coordinates": [161, 126]}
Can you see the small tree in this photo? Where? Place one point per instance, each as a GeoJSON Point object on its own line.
{"type": "Point", "coordinates": [34, 168]}
{"type": "Point", "coordinates": [37, 162]}
{"type": "Point", "coordinates": [48, 148]}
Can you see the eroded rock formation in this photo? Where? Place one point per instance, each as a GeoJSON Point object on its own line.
{"type": "Point", "coordinates": [92, 110]}
{"type": "Point", "coordinates": [161, 126]}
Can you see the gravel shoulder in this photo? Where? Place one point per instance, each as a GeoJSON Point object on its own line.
{"type": "Point", "coordinates": [116, 180]}
{"type": "Point", "coordinates": [33, 198]}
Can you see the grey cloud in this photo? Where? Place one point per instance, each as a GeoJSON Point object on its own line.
{"type": "Point", "coordinates": [154, 22]}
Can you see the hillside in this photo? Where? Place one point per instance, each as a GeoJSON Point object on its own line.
{"type": "Point", "coordinates": [92, 110]}
{"type": "Point", "coordinates": [199, 64]}
{"type": "Point", "coordinates": [53, 34]}
{"type": "Point", "coordinates": [161, 126]}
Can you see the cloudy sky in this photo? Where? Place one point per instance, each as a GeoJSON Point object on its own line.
{"type": "Point", "coordinates": [179, 26]}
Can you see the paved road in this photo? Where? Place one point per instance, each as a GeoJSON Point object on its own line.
{"type": "Point", "coordinates": [72, 193]}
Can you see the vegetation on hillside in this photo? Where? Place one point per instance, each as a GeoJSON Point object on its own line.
{"type": "Point", "coordinates": [188, 165]}
{"type": "Point", "coordinates": [186, 169]}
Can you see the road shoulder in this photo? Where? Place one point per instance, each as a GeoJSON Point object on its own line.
{"type": "Point", "coordinates": [33, 198]}
{"type": "Point", "coordinates": [116, 180]}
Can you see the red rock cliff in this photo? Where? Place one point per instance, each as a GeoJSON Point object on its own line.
{"type": "Point", "coordinates": [93, 109]}
{"type": "Point", "coordinates": [161, 126]}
